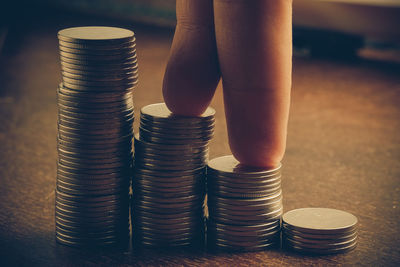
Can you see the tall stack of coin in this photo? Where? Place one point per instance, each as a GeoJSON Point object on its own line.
{"type": "Point", "coordinates": [319, 230]}
{"type": "Point", "coordinates": [244, 205]}
{"type": "Point", "coordinates": [95, 120]}
{"type": "Point", "coordinates": [169, 178]}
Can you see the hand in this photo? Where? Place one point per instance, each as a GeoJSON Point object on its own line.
{"type": "Point", "coordinates": [249, 45]}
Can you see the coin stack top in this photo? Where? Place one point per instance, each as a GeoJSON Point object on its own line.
{"type": "Point", "coordinates": [95, 120]}
{"type": "Point", "coordinates": [171, 153]}
{"type": "Point", "coordinates": [319, 230]}
{"type": "Point", "coordinates": [244, 204]}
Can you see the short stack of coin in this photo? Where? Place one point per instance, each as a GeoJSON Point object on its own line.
{"type": "Point", "coordinates": [95, 120]}
{"type": "Point", "coordinates": [169, 178]}
{"type": "Point", "coordinates": [244, 205]}
{"type": "Point", "coordinates": [319, 230]}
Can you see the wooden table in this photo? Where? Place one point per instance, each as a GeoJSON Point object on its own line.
{"type": "Point", "coordinates": [343, 150]}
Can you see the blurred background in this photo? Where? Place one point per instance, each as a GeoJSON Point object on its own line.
{"type": "Point", "coordinates": [343, 146]}
{"type": "Point", "coordinates": [324, 26]}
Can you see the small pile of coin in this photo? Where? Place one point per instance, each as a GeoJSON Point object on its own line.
{"type": "Point", "coordinates": [244, 205]}
{"type": "Point", "coordinates": [319, 230]}
{"type": "Point", "coordinates": [171, 154]}
{"type": "Point", "coordinates": [95, 120]}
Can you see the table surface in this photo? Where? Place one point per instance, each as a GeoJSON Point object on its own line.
{"type": "Point", "coordinates": [343, 150]}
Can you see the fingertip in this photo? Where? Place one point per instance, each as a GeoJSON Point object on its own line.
{"type": "Point", "coordinates": [257, 156]}
{"type": "Point", "coordinates": [183, 106]}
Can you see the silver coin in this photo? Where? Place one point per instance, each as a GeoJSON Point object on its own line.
{"type": "Point", "coordinates": [160, 201]}
{"type": "Point", "coordinates": [170, 174]}
{"type": "Point", "coordinates": [242, 245]}
{"type": "Point", "coordinates": [246, 201]}
{"type": "Point", "coordinates": [95, 97]}
{"type": "Point", "coordinates": [246, 207]}
{"type": "Point", "coordinates": [95, 207]}
{"type": "Point", "coordinates": [236, 182]}
{"type": "Point", "coordinates": [102, 68]}
{"type": "Point", "coordinates": [97, 52]}
{"type": "Point", "coordinates": [93, 138]}
{"type": "Point", "coordinates": [124, 63]}
{"type": "Point", "coordinates": [102, 126]}
{"type": "Point", "coordinates": [320, 221]}
{"type": "Point", "coordinates": [93, 174]}
{"type": "Point", "coordinates": [174, 135]}
{"type": "Point", "coordinates": [80, 159]}
{"type": "Point", "coordinates": [249, 218]}
{"type": "Point", "coordinates": [79, 140]}
{"type": "Point", "coordinates": [91, 190]}
{"type": "Point", "coordinates": [170, 155]}
{"type": "Point", "coordinates": [88, 239]}
{"type": "Point", "coordinates": [96, 115]}
{"type": "Point", "coordinates": [78, 172]}
{"type": "Point", "coordinates": [96, 35]}
{"type": "Point", "coordinates": [154, 243]}
{"type": "Point", "coordinates": [98, 112]}
{"type": "Point", "coordinates": [168, 129]}
{"type": "Point", "coordinates": [160, 112]}
{"type": "Point", "coordinates": [156, 196]}
{"type": "Point", "coordinates": [121, 183]}
{"type": "Point", "coordinates": [90, 244]}
{"type": "Point", "coordinates": [94, 165]}
{"type": "Point", "coordinates": [184, 148]}
{"type": "Point", "coordinates": [98, 47]}
{"type": "Point", "coordinates": [105, 57]}
{"type": "Point", "coordinates": [128, 82]}
{"type": "Point", "coordinates": [88, 235]}
{"type": "Point", "coordinates": [229, 166]}
{"type": "Point", "coordinates": [296, 235]}
{"type": "Point", "coordinates": [242, 212]}
{"type": "Point", "coordinates": [98, 223]}
{"type": "Point", "coordinates": [122, 143]}
{"type": "Point", "coordinates": [320, 245]}
{"type": "Point", "coordinates": [253, 228]}
{"type": "Point", "coordinates": [158, 167]}
{"type": "Point", "coordinates": [95, 154]}
{"type": "Point", "coordinates": [113, 121]}
{"type": "Point", "coordinates": [234, 220]}
{"type": "Point", "coordinates": [87, 88]}
{"type": "Point", "coordinates": [168, 192]}
{"type": "Point", "coordinates": [117, 203]}
{"type": "Point", "coordinates": [93, 183]}
{"type": "Point", "coordinates": [166, 181]}
{"type": "Point", "coordinates": [344, 249]}
{"type": "Point", "coordinates": [262, 238]}
{"type": "Point", "coordinates": [117, 229]}
{"type": "Point", "coordinates": [100, 75]}
{"type": "Point", "coordinates": [155, 140]}
{"type": "Point", "coordinates": [81, 107]}
{"type": "Point", "coordinates": [166, 209]}
{"type": "Point", "coordinates": [171, 163]}
{"type": "Point", "coordinates": [243, 193]}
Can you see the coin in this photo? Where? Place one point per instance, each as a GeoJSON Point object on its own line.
{"type": "Point", "coordinates": [320, 221]}
{"type": "Point", "coordinates": [230, 166]}
{"type": "Point", "coordinates": [98, 35]}
{"type": "Point", "coordinates": [160, 112]}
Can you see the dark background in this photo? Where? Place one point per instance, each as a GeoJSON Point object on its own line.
{"type": "Point", "coordinates": [343, 144]}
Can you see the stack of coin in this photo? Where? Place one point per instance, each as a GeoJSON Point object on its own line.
{"type": "Point", "coordinates": [171, 154]}
{"type": "Point", "coordinates": [319, 230]}
{"type": "Point", "coordinates": [244, 205]}
{"type": "Point", "coordinates": [95, 120]}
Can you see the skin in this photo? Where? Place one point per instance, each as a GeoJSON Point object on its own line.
{"type": "Point", "coordinates": [249, 45]}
